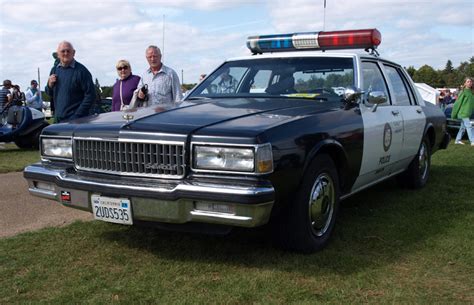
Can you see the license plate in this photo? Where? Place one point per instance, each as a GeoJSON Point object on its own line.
{"type": "Point", "coordinates": [116, 210]}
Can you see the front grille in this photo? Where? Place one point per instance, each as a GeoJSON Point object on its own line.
{"type": "Point", "coordinates": [154, 159]}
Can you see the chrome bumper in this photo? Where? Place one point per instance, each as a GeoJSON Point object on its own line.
{"type": "Point", "coordinates": [159, 201]}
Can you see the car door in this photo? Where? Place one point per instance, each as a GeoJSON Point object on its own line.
{"type": "Point", "coordinates": [383, 129]}
{"type": "Point", "coordinates": [414, 119]}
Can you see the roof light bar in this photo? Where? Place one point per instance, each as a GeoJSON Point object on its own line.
{"type": "Point", "coordinates": [351, 39]}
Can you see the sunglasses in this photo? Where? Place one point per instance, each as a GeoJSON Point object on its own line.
{"type": "Point", "coordinates": [122, 68]}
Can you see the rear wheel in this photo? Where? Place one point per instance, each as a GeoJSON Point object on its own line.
{"type": "Point", "coordinates": [308, 223]}
{"type": "Point", "coordinates": [418, 172]}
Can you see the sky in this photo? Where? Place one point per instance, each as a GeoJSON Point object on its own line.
{"type": "Point", "coordinates": [198, 35]}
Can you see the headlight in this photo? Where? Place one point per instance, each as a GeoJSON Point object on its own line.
{"type": "Point", "coordinates": [57, 148]}
{"type": "Point", "coordinates": [256, 159]}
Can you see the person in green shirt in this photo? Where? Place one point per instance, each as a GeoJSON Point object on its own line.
{"type": "Point", "coordinates": [462, 110]}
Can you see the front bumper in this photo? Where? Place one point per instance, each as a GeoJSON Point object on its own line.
{"type": "Point", "coordinates": [179, 201]}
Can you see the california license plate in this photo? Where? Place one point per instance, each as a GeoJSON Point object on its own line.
{"type": "Point", "coordinates": [116, 210]}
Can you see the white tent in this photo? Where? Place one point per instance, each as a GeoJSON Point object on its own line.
{"type": "Point", "coordinates": [428, 93]}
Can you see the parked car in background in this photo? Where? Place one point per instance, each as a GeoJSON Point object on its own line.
{"type": "Point", "coordinates": [265, 138]}
{"type": "Point", "coordinates": [453, 124]}
{"type": "Point", "coordinates": [103, 105]}
{"type": "Point", "coordinates": [47, 109]}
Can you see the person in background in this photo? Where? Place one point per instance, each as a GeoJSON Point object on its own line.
{"type": "Point", "coordinates": [463, 109]}
{"type": "Point", "coordinates": [162, 82]}
{"type": "Point", "coordinates": [18, 97]}
{"type": "Point", "coordinates": [122, 91]}
{"type": "Point", "coordinates": [446, 100]}
{"type": "Point", "coordinates": [33, 96]}
{"type": "Point", "coordinates": [5, 95]}
{"type": "Point", "coordinates": [228, 83]}
{"type": "Point", "coordinates": [71, 86]}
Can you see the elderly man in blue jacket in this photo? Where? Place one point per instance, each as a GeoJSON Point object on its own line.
{"type": "Point", "coordinates": [71, 86]}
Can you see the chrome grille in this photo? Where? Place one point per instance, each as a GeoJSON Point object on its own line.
{"type": "Point", "coordinates": [155, 159]}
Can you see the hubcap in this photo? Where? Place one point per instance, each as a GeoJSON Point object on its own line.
{"type": "Point", "coordinates": [423, 160]}
{"type": "Point", "coordinates": [321, 204]}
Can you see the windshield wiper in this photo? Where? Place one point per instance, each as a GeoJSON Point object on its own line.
{"type": "Point", "coordinates": [197, 98]}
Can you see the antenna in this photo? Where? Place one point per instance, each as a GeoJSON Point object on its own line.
{"type": "Point", "coordinates": [324, 20]}
{"type": "Point", "coordinates": [163, 44]}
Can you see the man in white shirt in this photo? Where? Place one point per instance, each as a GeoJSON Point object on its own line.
{"type": "Point", "coordinates": [33, 96]}
{"type": "Point", "coordinates": [162, 82]}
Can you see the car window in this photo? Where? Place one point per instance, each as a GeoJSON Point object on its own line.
{"type": "Point", "coordinates": [400, 93]}
{"type": "Point", "coordinates": [304, 77]}
{"type": "Point", "coordinates": [373, 79]}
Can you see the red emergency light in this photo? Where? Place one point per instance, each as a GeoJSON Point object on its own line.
{"type": "Point", "coordinates": [350, 39]}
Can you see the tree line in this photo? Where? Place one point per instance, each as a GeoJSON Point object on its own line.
{"type": "Point", "coordinates": [449, 77]}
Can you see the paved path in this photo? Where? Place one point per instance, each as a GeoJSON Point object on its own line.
{"type": "Point", "coordinates": [21, 212]}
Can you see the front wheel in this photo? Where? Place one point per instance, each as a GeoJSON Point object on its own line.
{"type": "Point", "coordinates": [309, 221]}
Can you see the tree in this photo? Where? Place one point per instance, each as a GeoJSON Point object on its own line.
{"type": "Point", "coordinates": [449, 67]}
{"type": "Point", "coordinates": [426, 74]}
{"type": "Point", "coordinates": [107, 91]}
{"type": "Point", "coordinates": [98, 90]}
{"type": "Point", "coordinates": [411, 71]}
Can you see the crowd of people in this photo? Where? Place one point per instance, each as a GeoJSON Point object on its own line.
{"type": "Point", "coordinates": [73, 93]}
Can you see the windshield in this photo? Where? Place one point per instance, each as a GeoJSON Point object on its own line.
{"type": "Point", "coordinates": [304, 77]}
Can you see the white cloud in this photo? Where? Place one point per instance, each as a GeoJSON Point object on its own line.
{"type": "Point", "coordinates": [413, 32]}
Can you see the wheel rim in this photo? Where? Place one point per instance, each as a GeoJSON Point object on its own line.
{"type": "Point", "coordinates": [321, 204]}
{"type": "Point", "coordinates": [423, 160]}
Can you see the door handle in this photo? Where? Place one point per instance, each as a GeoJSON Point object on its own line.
{"type": "Point", "coordinates": [395, 112]}
{"type": "Point", "coordinates": [418, 110]}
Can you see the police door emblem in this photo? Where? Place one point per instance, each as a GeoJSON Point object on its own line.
{"type": "Point", "coordinates": [387, 137]}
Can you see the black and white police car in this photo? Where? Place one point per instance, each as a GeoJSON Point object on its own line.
{"type": "Point", "coordinates": [279, 136]}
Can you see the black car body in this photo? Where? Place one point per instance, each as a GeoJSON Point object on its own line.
{"type": "Point", "coordinates": [285, 143]}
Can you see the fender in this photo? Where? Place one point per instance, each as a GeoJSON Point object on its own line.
{"type": "Point", "coordinates": [337, 152]}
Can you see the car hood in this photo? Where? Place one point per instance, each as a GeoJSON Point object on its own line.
{"type": "Point", "coordinates": [247, 116]}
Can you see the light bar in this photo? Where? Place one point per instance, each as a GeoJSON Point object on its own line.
{"type": "Point", "coordinates": [351, 39]}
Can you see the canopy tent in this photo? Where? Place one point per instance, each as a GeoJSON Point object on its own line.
{"type": "Point", "coordinates": [428, 93]}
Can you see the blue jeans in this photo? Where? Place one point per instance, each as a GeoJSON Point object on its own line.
{"type": "Point", "coordinates": [465, 125]}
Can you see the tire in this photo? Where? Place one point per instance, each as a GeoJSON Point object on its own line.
{"type": "Point", "coordinates": [417, 174]}
{"type": "Point", "coordinates": [29, 141]}
{"type": "Point", "coordinates": [307, 224]}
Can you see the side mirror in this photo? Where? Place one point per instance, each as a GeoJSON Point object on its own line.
{"type": "Point", "coordinates": [376, 98]}
{"type": "Point", "coordinates": [352, 95]}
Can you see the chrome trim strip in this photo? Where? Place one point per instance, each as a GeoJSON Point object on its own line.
{"type": "Point", "coordinates": [129, 140]}
{"type": "Point", "coordinates": [189, 187]}
{"type": "Point", "coordinates": [370, 184]}
{"type": "Point", "coordinates": [43, 193]}
{"type": "Point", "coordinates": [200, 213]}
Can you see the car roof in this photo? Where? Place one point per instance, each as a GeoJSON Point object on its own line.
{"type": "Point", "coordinates": [349, 54]}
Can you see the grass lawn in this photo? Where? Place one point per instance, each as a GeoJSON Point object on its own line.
{"type": "Point", "coordinates": [14, 159]}
{"type": "Point", "coordinates": [391, 246]}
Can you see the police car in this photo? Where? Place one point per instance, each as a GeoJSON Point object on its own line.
{"type": "Point", "coordinates": [277, 137]}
